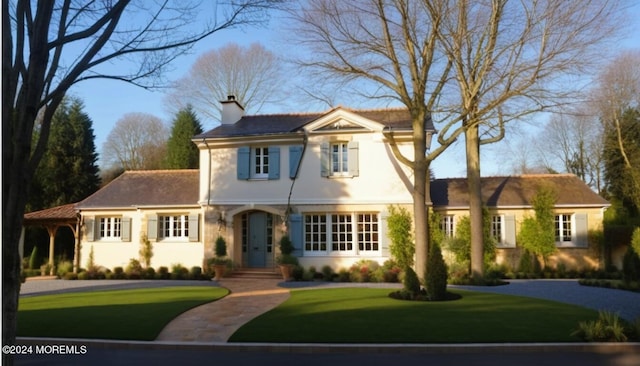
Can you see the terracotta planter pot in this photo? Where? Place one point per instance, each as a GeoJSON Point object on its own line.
{"type": "Point", "coordinates": [287, 271]}
{"type": "Point", "coordinates": [219, 270]}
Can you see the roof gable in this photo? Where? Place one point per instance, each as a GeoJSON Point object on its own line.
{"type": "Point", "coordinates": [516, 191]}
{"type": "Point", "coordinates": [147, 188]}
{"type": "Point", "coordinates": [341, 119]}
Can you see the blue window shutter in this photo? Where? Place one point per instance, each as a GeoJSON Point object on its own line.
{"type": "Point", "coordinates": [244, 162]}
{"type": "Point", "coordinates": [509, 231]}
{"type": "Point", "coordinates": [382, 235]}
{"type": "Point", "coordinates": [90, 227]}
{"type": "Point", "coordinates": [125, 234]}
{"type": "Point", "coordinates": [353, 158]}
{"type": "Point", "coordinates": [296, 233]}
{"type": "Point", "coordinates": [194, 227]}
{"type": "Point", "coordinates": [582, 238]}
{"type": "Point", "coordinates": [295, 156]}
{"type": "Point", "coordinates": [325, 159]}
{"type": "Point", "coordinates": [274, 162]}
{"type": "Point", "coordinates": [152, 227]}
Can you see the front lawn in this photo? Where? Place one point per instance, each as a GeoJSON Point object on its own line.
{"type": "Point", "coordinates": [138, 314]}
{"type": "Point", "coordinates": [362, 315]}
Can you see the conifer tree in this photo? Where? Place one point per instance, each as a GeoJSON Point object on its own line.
{"type": "Point", "coordinates": [182, 153]}
{"type": "Point", "coordinates": [69, 171]}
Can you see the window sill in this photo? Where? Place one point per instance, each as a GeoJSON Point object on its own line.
{"type": "Point", "coordinates": [340, 176]}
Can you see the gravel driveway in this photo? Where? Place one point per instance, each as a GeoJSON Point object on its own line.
{"type": "Point", "coordinates": [625, 303]}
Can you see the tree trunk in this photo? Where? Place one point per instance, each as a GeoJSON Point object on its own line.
{"type": "Point", "coordinates": [14, 200]}
{"type": "Point", "coordinates": [420, 195]}
{"type": "Point", "coordinates": [472, 140]}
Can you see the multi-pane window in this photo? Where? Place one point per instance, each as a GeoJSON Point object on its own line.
{"type": "Point", "coordinates": [315, 231]}
{"type": "Point", "coordinates": [341, 233]}
{"type": "Point", "coordinates": [339, 158]}
{"type": "Point", "coordinates": [261, 162]}
{"type": "Point", "coordinates": [110, 227]}
{"type": "Point", "coordinates": [174, 226]}
{"type": "Point", "coordinates": [446, 225]}
{"type": "Point", "coordinates": [368, 232]}
{"type": "Point", "coordinates": [496, 228]}
{"type": "Point", "coordinates": [563, 228]}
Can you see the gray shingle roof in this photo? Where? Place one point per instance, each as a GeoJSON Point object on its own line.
{"type": "Point", "coordinates": [147, 188]}
{"type": "Point", "coordinates": [515, 191]}
{"type": "Point", "coordinates": [269, 124]}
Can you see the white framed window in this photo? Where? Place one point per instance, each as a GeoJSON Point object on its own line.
{"type": "Point", "coordinates": [497, 228]}
{"type": "Point", "coordinates": [173, 226]}
{"type": "Point", "coordinates": [341, 233]}
{"type": "Point", "coordinates": [563, 228]}
{"type": "Point", "coordinates": [339, 158]}
{"type": "Point", "coordinates": [110, 228]}
{"type": "Point", "coordinates": [447, 226]}
{"type": "Point", "coordinates": [368, 232]}
{"type": "Point", "coordinates": [260, 162]}
{"type": "Point", "coordinates": [315, 231]}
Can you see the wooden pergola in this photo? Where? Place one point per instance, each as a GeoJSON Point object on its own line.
{"type": "Point", "coordinates": [52, 219]}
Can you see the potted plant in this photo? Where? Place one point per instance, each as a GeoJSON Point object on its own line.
{"type": "Point", "coordinates": [286, 261]}
{"type": "Point", "coordinates": [220, 261]}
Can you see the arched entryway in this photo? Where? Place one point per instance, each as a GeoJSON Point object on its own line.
{"type": "Point", "coordinates": [258, 239]}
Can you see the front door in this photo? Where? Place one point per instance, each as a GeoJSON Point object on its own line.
{"type": "Point", "coordinates": [257, 239]}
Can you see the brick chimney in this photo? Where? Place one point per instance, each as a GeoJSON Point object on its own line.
{"type": "Point", "coordinates": [232, 111]}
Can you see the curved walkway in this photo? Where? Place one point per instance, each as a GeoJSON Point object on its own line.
{"type": "Point", "coordinates": [218, 320]}
{"type": "Point", "coordinates": [215, 322]}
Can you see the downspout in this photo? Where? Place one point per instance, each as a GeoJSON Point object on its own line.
{"type": "Point", "coordinates": [305, 140]}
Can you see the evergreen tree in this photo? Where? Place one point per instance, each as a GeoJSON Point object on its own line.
{"type": "Point", "coordinates": [68, 172]}
{"type": "Point", "coordinates": [182, 153]}
{"type": "Point", "coordinates": [622, 180]}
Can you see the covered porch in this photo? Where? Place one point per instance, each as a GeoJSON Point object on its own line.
{"type": "Point", "coordinates": [53, 219]}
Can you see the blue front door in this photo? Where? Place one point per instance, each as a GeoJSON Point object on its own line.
{"type": "Point", "coordinates": [257, 239]}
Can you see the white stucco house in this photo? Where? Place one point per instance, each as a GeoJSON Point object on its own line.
{"type": "Point", "coordinates": [325, 179]}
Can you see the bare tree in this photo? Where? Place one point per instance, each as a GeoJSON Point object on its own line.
{"type": "Point", "coordinates": [253, 74]}
{"type": "Point", "coordinates": [47, 47]}
{"type": "Point", "coordinates": [473, 66]}
{"type": "Point", "coordinates": [618, 90]}
{"type": "Point", "coordinates": [572, 142]}
{"type": "Point", "coordinates": [137, 142]}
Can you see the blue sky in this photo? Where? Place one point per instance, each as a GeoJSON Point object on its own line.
{"type": "Point", "coordinates": [107, 101]}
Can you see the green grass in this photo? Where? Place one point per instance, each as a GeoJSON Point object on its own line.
{"type": "Point", "coordinates": [368, 315]}
{"type": "Point", "coordinates": [121, 314]}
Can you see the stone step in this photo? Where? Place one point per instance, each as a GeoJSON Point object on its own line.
{"type": "Point", "coordinates": [256, 273]}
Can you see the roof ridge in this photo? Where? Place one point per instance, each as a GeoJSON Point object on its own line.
{"type": "Point", "coordinates": [399, 108]}
{"type": "Point", "coordinates": [158, 171]}
{"type": "Point", "coordinates": [291, 114]}
{"type": "Point", "coordinates": [350, 109]}
{"type": "Point", "coordinates": [540, 175]}
{"type": "Point", "coordinates": [533, 175]}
